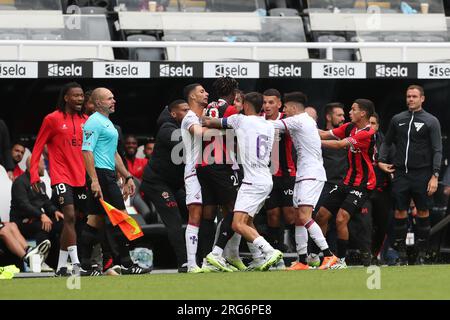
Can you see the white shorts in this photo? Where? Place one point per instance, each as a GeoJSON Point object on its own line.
{"type": "Point", "coordinates": [251, 197]}
{"type": "Point", "coordinates": [307, 192]}
{"type": "Point", "coordinates": [193, 190]}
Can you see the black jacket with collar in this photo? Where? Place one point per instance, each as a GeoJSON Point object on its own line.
{"type": "Point", "coordinates": [417, 139]}
{"type": "Point", "coordinates": [27, 203]}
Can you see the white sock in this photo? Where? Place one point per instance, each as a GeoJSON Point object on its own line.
{"type": "Point", "coordinates": [232, 247]}
{"type": "Point", "coordinates": [73, 254]}
{"type": "Point", "coordinates": [256, 253]}
{"type": "Point", "coordinates": [217, 251]}
{"type": "Point", "coordinates": [263, 245]}
{"type": "Point", "coordinates": [191, 236]}
{"type": "Point", "coordinates": [301, 239]}
{"type": "Point", "coordinates": [62, 259]}
{"type": "Point", "coordinates": [216, 235]}
{"type": "Point", "coordinates": [316, 234]}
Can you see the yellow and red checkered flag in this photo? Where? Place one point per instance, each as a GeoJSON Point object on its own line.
{"type": "Point", "coordinates": [127, 224]}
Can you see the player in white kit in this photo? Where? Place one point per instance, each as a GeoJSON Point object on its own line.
{"type": "Point", "coordinates": [191, 132]}
{"type": "Point", "coordinates": [255, 138]}
{"type": "Point", "coordinates": [310, 177]}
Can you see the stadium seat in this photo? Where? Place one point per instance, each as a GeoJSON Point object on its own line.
{"type": "Point", "coordinates": [12, 36]}
{"type": "Point", "coordinates": [338, 54]}
{"type": "Point", "coordinates": [145, 54]}
{"type": "Point", "coordinates": [93, 10]}
{"type": "Point", "coordinates": [283, 12]}
{"type": "Point", "coordinates": [46, 36]}
{"type": "Point", "coordinates": [398, 38]}
{"type": "Point", "coordinates": [176, 37]}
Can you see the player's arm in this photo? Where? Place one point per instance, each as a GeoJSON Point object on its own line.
{"type": "Point", "coordinates": [44, 134]}
{"type": "Point", "coordinates": [213, 123]}
{"type": "Point", "coordinates": [336, 144]}
{"type": "Point", "coordinates": [129, 187]}
{"type": "Point", "coordinates": [326, 135]}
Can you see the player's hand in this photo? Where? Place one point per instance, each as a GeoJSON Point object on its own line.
{"type": "Point", "coordinates": [36, 186]}
{"type": "Point", "coordinates": [129, 190]}
{"type": "Point", "coordinates": [206, 121]}
{"type": "Point", "coordinates": [432, 185]}
{"type": "Point", "coordinates": [386, 167]}
{"type": "Point", "coordinates": [96, 190]}
{"type": "Point", "coordinates": [46, 223]}
{"type": "Point", "coordinates": [59, 215]}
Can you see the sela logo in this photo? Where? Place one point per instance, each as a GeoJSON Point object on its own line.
{"type": "Point", "coordinates": [82, 196]}
{"type": "Point", "coordinates": [433, 71]}
{"type": "Point", "coordinates": [385, 71]}
{"type": "Point", "coordinates": [357, 193]}
{"type": "Point", "coordinates": [339, 70]}
{"type": "Point", "coordinates": [275, 70]}
{"type": "Point", "coordinates": [18, 69]}
{"type": "Point", "coordinates": [57, 70]}
{"type": "Point", "coordinates": [167, 70]}
{"type": "Point", "coordinates": [235, 70]}
{"type": "Point", "coordinates": [121, 70]}
{"type": "Point", "coordinates": [223, 70]}
{"type": "Point", "coordinates": [437, 71]}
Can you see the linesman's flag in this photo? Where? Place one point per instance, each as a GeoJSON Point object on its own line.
{"type": "Point", "coordinates": [127, 224]}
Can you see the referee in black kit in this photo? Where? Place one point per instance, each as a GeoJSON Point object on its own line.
{"type": "Point", "coordinates": [162, 179]}
{"type": "Point", "coordinates": [417, 162]}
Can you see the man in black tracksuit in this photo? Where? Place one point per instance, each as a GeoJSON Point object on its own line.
{"type": "Point", "coordinates": [164, 176]}
{"type": "Point", "coordinates": [417, 161]}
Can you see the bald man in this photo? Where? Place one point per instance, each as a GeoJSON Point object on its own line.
{"type": "Point", "coordinates": [101, 158]}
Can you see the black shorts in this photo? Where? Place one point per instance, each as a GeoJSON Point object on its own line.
{"type": "Point", "coordinates": [411, 185]}
{"type": "Point", "coordinates": [110, 190]}
{"type": "Point", "coordinates": [349, 198]}
{"type": "Point", "coordinates": [219, 184]}
{"type": "Point", "coordinates": [64, 195]}
{"type": "Point", "coordinates": [282, 192]}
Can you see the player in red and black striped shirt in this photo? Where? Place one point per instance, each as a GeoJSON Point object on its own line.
{"type": "Point", "coordinates": [358, 137]}
{"type": "Point", "coordinates": [283, 167]}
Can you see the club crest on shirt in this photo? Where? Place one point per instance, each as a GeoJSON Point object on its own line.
{"type": "Point", "coordinates": [88, 134]}
{"type": "Point", "coordinates": [61, 200]}
{"type": "Point", "coordinates": [165, 195]}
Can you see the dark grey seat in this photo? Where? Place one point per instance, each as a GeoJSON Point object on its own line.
{"type": "Point", "coordinates": [145, 54]}
{"type": "Point", "coordinates": [46, 36]}
{"type": "Point", "coordinates": [93, 10]}
{"type": "Point", "coordinates": [12, 36]}
{"type": "Point", "coordinates": [338, 54]}
{"type": "Point", "coordinates": [398, 38]}
{"type": "Point", "coordinates": [283, 12]}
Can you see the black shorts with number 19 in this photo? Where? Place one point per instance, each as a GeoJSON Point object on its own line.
{"type": "Point", "coordinates": [220, 184]}
{"type": "Point", "coordinates": [64, 194]}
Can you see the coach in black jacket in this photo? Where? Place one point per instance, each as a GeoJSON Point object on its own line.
{"type": "Point", "coordinates": [33, 212]}
{"type": "Point", "coordinates": [417, 161]}
{"type": "Point", "coordinates": [164, 176]}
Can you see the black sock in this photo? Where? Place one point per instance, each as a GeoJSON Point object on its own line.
{"type": "Point", "coordinates": [206, 235]}
{"type": "Point", "coordinates": [423, 232]}
{"type": "Point", "coordinates": [275, 236]}
{"type": "Point", "coordinates": [226, 231]}
{"type": "Point", "coordinates": [327, 252]}
{"type": "Point", "coordinates": [89, 238]}
{"type": "Point", "coordinates": [313, 248]}
{"type": "Point", "coordinates": [400, 230]}
{"type": "Point", "coordinates": [342, 248]}
{"type": "Point", "coordinates": [123, 245]}
{"type": "Point", "coordinates": [302, 258]}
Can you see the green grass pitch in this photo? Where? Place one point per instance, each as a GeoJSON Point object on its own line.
{"type": "Point", "coordinates": [412, 282]}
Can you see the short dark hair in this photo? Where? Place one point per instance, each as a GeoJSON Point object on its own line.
{"type": "Point", "coordinates": [225, 86]}
{"type": "Point", "coordinates": [174, 104]}
{"type": "Point", "coordinates": [130, 135]}
{"type": "Point", "coordinates": [66, 88]}
{"type": "Point", "coordinates": [296, 96]}
{"type": "Point", "coordinates": [272, 92]}
{"type": "Point", "coordinates": [329, 107]}
{"type": "Point", "coordinates": [367, 106]}
{"type": "Point", "coordinates": [417, 87]}
{"type": "Point", "coordinates": [375, 115]}
{"type": "Point", "coordinates": [255, 99]}
{"type": "Point", "coordinates": [188, 89]}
